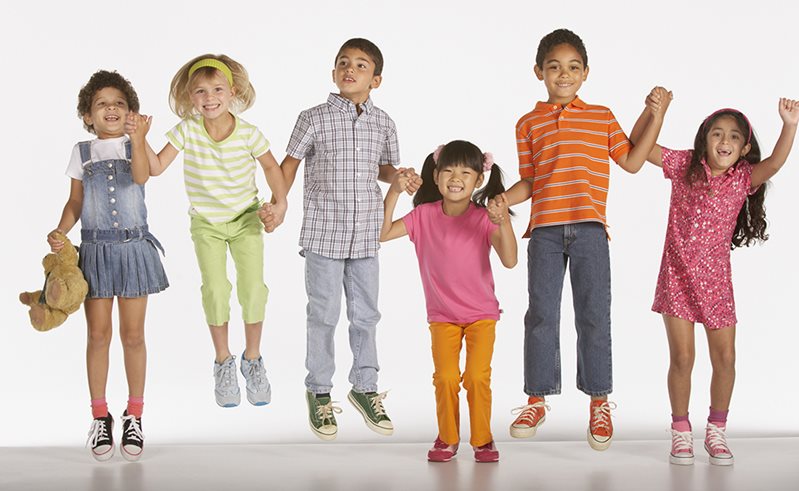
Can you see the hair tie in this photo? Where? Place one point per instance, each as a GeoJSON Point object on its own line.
{"type": "Point", "coordinates": [729, 109]}
{"type": "Point", "coordinates": [213, 63]}
{"type": "Point", "coordinates": [437, 153]}
{"type": "Point", "coordinates": [488, 161]}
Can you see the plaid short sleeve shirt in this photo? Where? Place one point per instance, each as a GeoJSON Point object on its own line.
{"type": "Point", "coordinates": [342, 202]}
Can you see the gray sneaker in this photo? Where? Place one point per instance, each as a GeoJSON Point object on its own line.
{"type": "Point", "coordinates": [322, 416]}
{"type": "Point", "coordinates": [226, 387]}
{"type": "Point", "coordinates": [259, 392]}
{"type": "Point", "coordinates": [370, 405]}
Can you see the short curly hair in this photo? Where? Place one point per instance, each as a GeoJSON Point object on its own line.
{"type": "Point", "coordinates": [557, 37]}
{"type": "Point", "coordinates": [100, 80]}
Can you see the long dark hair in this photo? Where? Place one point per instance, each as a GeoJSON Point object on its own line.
{"type": "Point", "coordinates": [750, 227]}
{"type": "Point", "coordinates": [453, 154]}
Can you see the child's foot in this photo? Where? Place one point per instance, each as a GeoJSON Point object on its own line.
{"type": "Point", "coordinates": [441, 452]}
{"type": "Point", "coordinates": [486, 453]}
{"type": "Point", "coordinates": [682, 448]}
{"type": "Point", "coordinates": [259, 392]}
{"type": "Point", "coordinates": [132, 438]}
{"type": "Point", "coordinates": [101, 438]}
{"type": "Point", "coordinates": [370, 405]}
{"type": "Point", "coordinates": [716, 445]}
{"type": "Point", "coordinates": [321, 416]}
{"type": "Point", "coordinates": [600, 428]}
{"type": "Point", "coordinates": [531, 416]}
{"type": "Point", "coordinates": [226, 385]}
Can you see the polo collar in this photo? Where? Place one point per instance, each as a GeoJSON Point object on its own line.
{"type": "Point", "coordinates": [547, 106]}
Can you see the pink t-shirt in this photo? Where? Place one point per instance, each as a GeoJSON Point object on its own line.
{"type": "Point", "coordinates": [453, 255]}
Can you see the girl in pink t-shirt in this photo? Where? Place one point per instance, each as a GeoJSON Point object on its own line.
{"type": "Point", "coordinates": [717, 193]}
{"type": "Point", "coordinates": [453, 236]}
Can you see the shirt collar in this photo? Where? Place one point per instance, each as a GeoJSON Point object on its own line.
{"type": "Point", "coordinates": [345, 105]}
{"type": "Point", "coordinates": [547, 106]}
{"type": "Point", "coordinates": [709, 174]}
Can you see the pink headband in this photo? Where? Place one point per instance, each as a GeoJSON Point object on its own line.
{"type": "Point", "coordinates": [488, 158]}
{"type": "Point", "coordinates": [731, 110]}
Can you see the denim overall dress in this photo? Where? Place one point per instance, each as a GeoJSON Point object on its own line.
{"type": "Point", "coordinates": [118, 255]}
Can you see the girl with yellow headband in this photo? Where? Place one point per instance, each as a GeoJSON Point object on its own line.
{"type": "Point", "coordinates": [220, 151]}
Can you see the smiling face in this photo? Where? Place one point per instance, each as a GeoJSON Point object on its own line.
{"type": "Point", "coordinates": [457, 183]}
{"type": "Point", "coordinates": [211, 95]}
{"type": "Point", "coordinates": [354, 75]}
{"type": "Point", "coordinates": [107, 113]}
{"type": "Point", "coordinates": [563, 73]}
{"type": "Point", "coordinates": [726, 144]}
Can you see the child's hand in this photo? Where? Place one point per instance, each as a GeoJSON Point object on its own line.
{"type": "Point", "coordinates": [414, 181]}
{"type": "Point", "coordinates": [55, 244]}
{"type": "Point", "coordinates": [498, 209]}
{"type": "Point", "coordinates": [272, 215]}
{"type": "Point", "coordinates": [137, 125]}
{"type": "Point", "coordinates": [401, 179]}
{"type": "Point", "coordinates": [658, 100]}
{"type": "Point", "coordinates": [789, 111]}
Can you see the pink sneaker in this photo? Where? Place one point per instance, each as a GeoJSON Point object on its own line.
{"type": "Point", "coordinates": [441, 452]}
{"type": "Point", "coordinates": [682, 448]}
{"type": "Point", "coordinates": [486, 453]}
{"type": "Point", "coordinates": [716, 445]}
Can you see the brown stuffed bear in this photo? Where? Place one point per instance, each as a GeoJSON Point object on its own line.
{"type": "Point", "coordinates": [64, 288]}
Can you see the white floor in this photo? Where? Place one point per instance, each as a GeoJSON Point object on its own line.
{"type": "Point", "coordinates": [761, 464]}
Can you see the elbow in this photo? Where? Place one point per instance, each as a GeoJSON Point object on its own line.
{"type": "Point", "coordinates": [141, 180]}
{"type": "Point", "coordinates": [510, 262]}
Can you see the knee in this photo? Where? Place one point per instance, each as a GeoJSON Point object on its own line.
{"type": "Point", "coordinates": [132, 340]}
{"type": "Point", "coordinates": [449, 380]}
{"type": "Point", "coordinates": [723, 359]}
{"type": "Point", "coordinates": [99, 337]}
{"type": "Point", "coordinates": [682, 361]}
{"type": "Point", "coordinates": [477, 379]}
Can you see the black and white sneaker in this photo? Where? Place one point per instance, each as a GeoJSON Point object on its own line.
{"type": "Point", "coordinates": [101, 439]}
{"type": "Point", "coordinates": [132, 444]}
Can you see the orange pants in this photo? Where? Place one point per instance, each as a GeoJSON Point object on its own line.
{"type": "Point", "coordinates": [446, 344]}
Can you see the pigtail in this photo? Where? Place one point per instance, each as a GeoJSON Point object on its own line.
{"type": "Point", "coordinates": [428, 192]}
{"type": "Point", "coordinates": [493, 188]}
{"type": "Point", "coordinates": [751, 225]}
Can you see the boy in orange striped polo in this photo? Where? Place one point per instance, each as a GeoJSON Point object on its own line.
{"type": "Point", "coordinates": [564, 145]}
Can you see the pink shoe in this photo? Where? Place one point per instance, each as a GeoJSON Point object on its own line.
{"type": "Point", "coordinates": [441, 452]}
{"type": "Point", "coordinates": [716, 445]}
{"type": "Point", "coordinates": [682, 448]}
{"type": "Point", "coordinates": [486, 453]}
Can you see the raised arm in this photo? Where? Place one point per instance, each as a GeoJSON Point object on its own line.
{"type": "Point", "coordinates": [645, 132]}
{"type": "Point", "coordinates": [762, 172]}
{"type": "Point", "coordinates": [137, 126]}
{"type": "Point", "coordinates": [503, 239]}
{"type": "Point", "coordinates": [394, 229]}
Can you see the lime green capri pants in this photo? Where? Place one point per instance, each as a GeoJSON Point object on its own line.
{"type": "Point", "coordinates": [243, 235]}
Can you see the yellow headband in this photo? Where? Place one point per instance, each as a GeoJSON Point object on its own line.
{"type": "Point", "coordinates": [213, 63]}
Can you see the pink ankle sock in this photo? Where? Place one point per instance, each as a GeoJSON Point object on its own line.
{"type": "Point", "coordinates": [680, 423]}
{"type": "Point", "coordinates": [718, 418]}
{"type": "Point", "coordinates": [99, 408]}
{"type": "Point", "coordinates": [135, 406]}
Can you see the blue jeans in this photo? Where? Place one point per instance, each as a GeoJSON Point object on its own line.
{"type": "Point", "coordinates": [584, 248]}
{"type": "Point", "coordinates": [324, 279]}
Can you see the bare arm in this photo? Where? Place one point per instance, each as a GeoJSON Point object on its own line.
{"type": "Point", "coordinates": [289, 168]}
{"type": "Point", "coordinates": [386, 173]}
{"type": "Point", "coordinates": [645, 132]}
{"type": "Point", "coordinates": [272, 214]}
{"type": "Point", "coordinates": [762, 172]}
{"type": "Point", "coordinates": [519, 192]}
{"type": "Point", "coordinates": [69, 216]}
{"type": "Point", "coordinates": [137, 127]}
{"type": "Point", "coordinates": [502, 239]}
{"type": "Point", "coordinates": [393, 229]}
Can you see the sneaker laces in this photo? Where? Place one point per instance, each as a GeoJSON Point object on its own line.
{"type": "Point", "coordinates": [325, 412]}
{"type": "Point", "coordinates": [716, 438]}
{"type": "Point", "coordinates": [377, 403]}
{"type": "Point", "coordinates": [133, 430]}
{"type": "Point", "coordinates": [227, 375]}
{"type": "Point", "coordinates": [600, 416]}
{"type": "Point", "coordinates": [682, 441]}
{"type": "Point", "coordinates": [97, 432]}
{"type": "Point", "coordinates": [256, 373]}
{"type": "Point", "coordinates": [528, 412]}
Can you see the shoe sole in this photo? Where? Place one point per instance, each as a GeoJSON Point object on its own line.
{"type": "Point", "coordinates": [681, 460]}
{"type": "Point", "coordinates": [229, 402]}
{"type": "Point", "coordinates": [322, 436]}
{"type": "Point", "coordinates": [264, 402]}
{"type": "Point", "coordinates": [598, 446]}
{"type": "Point", "coordinates": [377, 429]}
{"type": "Point", "coordinates": [129, 456]}
{"type": "Point", "coordinates": [104, 456]}
{"type": "Point", "coordinates": [441, 460]}
{"type": "Point", "coordinates": [717, 460]}
{"type": "Point", "coordinates": [526, 432]}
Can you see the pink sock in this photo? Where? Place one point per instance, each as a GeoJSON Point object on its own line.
{"type": "Point", "coordinates": [135, 406]}
{"type": "Point", "coordinates": [99, 408]}
{"type": "Point", "coordinates": [680, 423]}
{"type": "Point", "coordinates": [718, 418]}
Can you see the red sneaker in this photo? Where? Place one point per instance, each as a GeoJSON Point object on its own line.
{"type": "Point", "coordinates": [530, 417]}
{"type": "Point", "coordinates": [486, 453]}
{"type": "Point", "coordinates": [441, 451]}
{"type": "Point", "coordinates": [600, 428]}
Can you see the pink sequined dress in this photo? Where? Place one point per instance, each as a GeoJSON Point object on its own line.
{"type": "Point", "coordinates": [695, 279]}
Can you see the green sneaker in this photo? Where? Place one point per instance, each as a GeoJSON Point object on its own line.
{"type": "Point", "coordinates": [370, 405]}
{"type": "Point", "coordinates": [321, 416]}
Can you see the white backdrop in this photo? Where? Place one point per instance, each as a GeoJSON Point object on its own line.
{"type": "Point", "coordinates": [454, 69]}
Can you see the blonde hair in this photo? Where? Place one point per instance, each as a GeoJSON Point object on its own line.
{"type": "Point", "coordinates": [179, 89]}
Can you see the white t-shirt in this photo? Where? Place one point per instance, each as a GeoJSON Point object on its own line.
{"type": "Point", "coordinates": [102, 149]}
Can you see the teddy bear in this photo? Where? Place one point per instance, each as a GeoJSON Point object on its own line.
{"type": "Point", "coordinates": [64, 288]}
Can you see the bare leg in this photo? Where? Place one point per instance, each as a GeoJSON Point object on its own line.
{"type": "Point", "coordinates": [220, 338]}
{"type": "Point", "coordinates": [131, 332]}
{"type": "Point", "coordinates": [722, 356]}
{"type": "Point", "coordinates": [98, 321]}
{"type": "Point", "coordinates": [682, 353]}
{"type": "Point", "coordinates": [252, 335]}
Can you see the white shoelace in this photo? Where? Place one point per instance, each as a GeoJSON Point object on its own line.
{"type": "Point", "coordinates": [227, 374]}
{"type": "Point", "coordinates": [716, 438]}
{"type": "Point", "coordinates": [97, 432]}
{"type": "Point", "coordinates": [256, 374]}
{"type": "Point", "coordinates": [133, 431]}
{"type": "Point", "coordinates": [682, 441]}
{"type": "Point", "coordinates": [601, 416]}
{"type": "Point", "coordinates": [326, 411]}
{"type": "Point", "coordinates": [377, 403]}
{"type": "Point", "coordinates": [527, 412]}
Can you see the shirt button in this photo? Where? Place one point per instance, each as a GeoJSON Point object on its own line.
{"type": "Point", "coordinates": [113, 200]}
{"type": "Point", "coordinates": [114, 213]}
{"type": "Point", "coordinates": [111, 189]}
{"type": "Point", "coordinates": [110, 178]}
{"type": "Point", "coordinates": [357, 149]}
{"type": "Point", "coordinates": [116, 224]}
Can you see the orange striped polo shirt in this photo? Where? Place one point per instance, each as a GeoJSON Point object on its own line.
{"type": "Point", "coordinates": [564, 151]}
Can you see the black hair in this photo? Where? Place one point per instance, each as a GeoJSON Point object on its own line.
{"type": "Point", "coordinates": [751, 224]}
{"type": "Point", "coordinates": [98, 81]}
{"type": "Point", "coordinates": [458, 153]}
{"type": "Point", "coordinates": [557, 37]}
{"type": "Point", "coordinates": [368, 47]}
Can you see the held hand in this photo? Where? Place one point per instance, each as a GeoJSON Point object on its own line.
{"type": "Point", "coordinates": [414, 182]}
{"type": "Point", "coordinates": [272, 215]}
{"type": "Point", "coordinates": [55, 244]}
{"type": "Point", "coordinates": [400, 181]}
{"type": "Point", "coordinates": [658, 100]}
{"type": "Point", "coordinates": [789, 111]}
{"type": "Point", "coordinates": [137, 125]}
{"type": "Point", "coordinates": [498, 208]}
